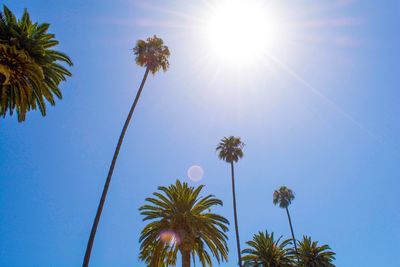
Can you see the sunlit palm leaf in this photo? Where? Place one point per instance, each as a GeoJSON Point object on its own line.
{"type": "Point", "coordinates": [29, 69]}
{"type": "Point", "coordinates": [265, 251]}
{"type": "Point", "coordinates": [152, 54]}
{"type": "Point", "coordinates": [312, 255]}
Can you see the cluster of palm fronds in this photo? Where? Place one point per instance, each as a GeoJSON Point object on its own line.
{"type": "Point", "coordinates": [182, 221]}
{"type": "Point", "coordinates": [29, 69]}
{"type": "Point", "coordinates": [266, 251]}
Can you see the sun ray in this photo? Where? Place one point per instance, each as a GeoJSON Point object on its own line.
{"type": "Point", "coordinates": [325, 98]}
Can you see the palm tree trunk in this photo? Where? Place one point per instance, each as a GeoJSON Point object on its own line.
{"type": "Point", "coordinates": [291, 229]}
{"type": "Point", "coordinates": [110, 172]}
{"type": "Point", "coordinates": [185, 258]}
{"type": "Point", "coordinates": [235, 216]}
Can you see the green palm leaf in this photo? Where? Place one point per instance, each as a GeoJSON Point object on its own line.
{"type": "Point", "coordinates": [312, 255]}
{"type": "Point", "coordinates": [29, 70]}
{"type": "Point", "coordinates": [265, 251]}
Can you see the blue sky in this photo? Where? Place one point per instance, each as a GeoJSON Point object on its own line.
{"type": "Point", "coordinates": [322, 119]}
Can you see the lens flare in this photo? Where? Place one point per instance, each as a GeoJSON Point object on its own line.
{"type": "Point", "coordinates": [195, 173]}
{"type": "Point", "coordinates": [169, 237]}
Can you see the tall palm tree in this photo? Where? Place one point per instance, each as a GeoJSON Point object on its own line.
{"type": "Point", "coordinates": [153, 55]}
{"type": "Point", "coordinates": [265, 251]}
{"type": "Point", "coordinates": [182, 221]}
{"type": "Point", "coordinates": [312, 255]}
{"type": "Point", "coordinates": [284, 197]}
{"type": "Point", "coordinates": [30, 71]}
{"type": "Point", "coordinates": [230, 150]}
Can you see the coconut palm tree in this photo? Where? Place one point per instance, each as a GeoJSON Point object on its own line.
{"type": "Point", "coordinates": [230, 150]}
{"type": "Point", "coordinates": [265, 251]}
{"type": "Point", "coordinates": [182, 221]}
{"type": "Point", "coordinates": [284, 197]}
{"type": "Point", "coordinates": [312, 255]}
{"type": "Point", "coordinates": [153, 55]}
{"type": "Point", "coordinates": [30, 71]}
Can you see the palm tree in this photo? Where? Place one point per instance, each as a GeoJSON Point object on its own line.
{"type": "Point", "coordinates": [284, 197]}
{"type": "Point", "coordinates": [182, 221]}
{"type": "Point", "coordinates": [265, 251]}
{"type": "Point", "coordinates": [153, 55]}
{"type": "Point", "coordinates": [30, 70]}
{"type": "Point", "coordinates": [312, 255]}
{"type": "Point", "coordinates": [230, 150]}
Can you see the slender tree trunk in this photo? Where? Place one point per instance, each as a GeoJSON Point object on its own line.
{"type": "Point", "coordinates": [185, 258]}
{"type": "Point", "coordinates": [235, 216]}
{"type": "Point", "coordinates": [291, 229]}
{"type": "Point", "coordinates": [110, 172]}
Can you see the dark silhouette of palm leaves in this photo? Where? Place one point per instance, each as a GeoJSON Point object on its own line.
{"type": "Point", "coordinates": [30, 72]}
{"type": "Point", "coordinates": [312, 255]}
{"type": "Point", "coordinates": [230, 149]}
{"type": "Point", "coordinates": [284, 197]}
{"type": "Point", "coordinates": [189, 224]}
{"type": "Point", "coordinates": [265, 251]}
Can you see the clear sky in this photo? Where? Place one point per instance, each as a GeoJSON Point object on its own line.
{"type": "Point", "coordinates": [319, 114]}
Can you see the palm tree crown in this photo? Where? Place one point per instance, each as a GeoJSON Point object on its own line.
{"type": "Point", "coordinates": [265, 251]}
{"type": "Point", "coordinates": [312, 255]}
{"type": "Point", "coordinates": [152, 54]}
{"type": "Point", "coordinates": [182, 221]}
{"type": "Point", "coordinates": [284, 197]}
{"type": "Point", "coordinates": [230, 149]}
{"type": "Point", "coordinates": [29, 70]}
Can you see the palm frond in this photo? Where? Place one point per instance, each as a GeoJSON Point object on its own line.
{"type": "Point", "coordinates": [29, 70]}
{"type": "Point", "coordinates": [230, 149]}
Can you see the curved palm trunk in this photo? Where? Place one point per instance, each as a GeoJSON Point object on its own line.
{"type": "Point", "coordinates": [185, 258]}
{"type": "Point", "coordinates": [235, 216]}
{"type": "Point", "coordinates": [291, 229]}
{"type": "Point", "coordinates": [110, 172]}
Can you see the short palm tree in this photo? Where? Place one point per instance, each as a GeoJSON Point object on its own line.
{"type": "Point", "coordinates": [312, 255]}
{"type": "Point", "coordinates": [30, 71]}
{"type": "Point", "coordinates": [284, 197]}
{"type": "Point", "coordinates": [230, 150]}
{"type": "Point", "coordinates": [265, 251]}
{"type": "Point", "coordinates": [153, 55]}
{"type": "Point", "coordinates": [182, 221]}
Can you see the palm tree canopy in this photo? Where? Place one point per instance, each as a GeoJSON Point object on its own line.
{"type": "Point", "coordinates": [284, 197]}
{"type": "Point", "coordinates": [265, 251]}
{"type": "Point", "coordinates": [152, 54]}
{"type": "Point", "coordinates": [29, 70]}
{"type": "Point", "coordinates": [312, 255]}
{"type": "Point", "coordinates": [230, 149]}
{"type": "Point", "coordinates": [181, 220]}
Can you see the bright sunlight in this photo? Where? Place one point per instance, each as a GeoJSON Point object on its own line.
{"type": "Point", "coordinates": [241, 31]}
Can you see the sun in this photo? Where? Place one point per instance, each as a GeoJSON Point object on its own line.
{"type": "Point", "coordinates": [240, 31]}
